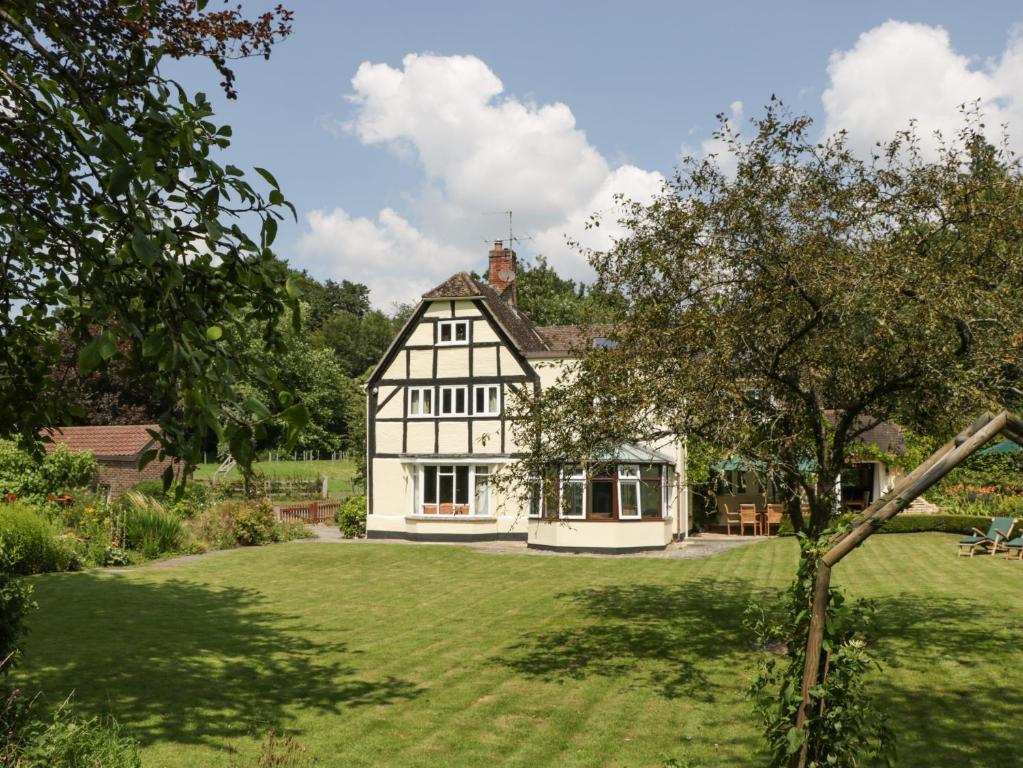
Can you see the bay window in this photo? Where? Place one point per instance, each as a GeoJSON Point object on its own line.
{"type": "Point", "coordinates": [573, 493]}
{"type": "Point", "coordinates": [628, 491]}
{"type": "Point", "coordinates": [625, 492]}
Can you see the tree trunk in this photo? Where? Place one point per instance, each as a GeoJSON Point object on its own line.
{"type": "Point", "coordinates": [814, 645]}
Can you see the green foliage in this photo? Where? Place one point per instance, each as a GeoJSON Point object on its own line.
{"type": "Point", "coordinates": [352, 518]}
{"type": "Point", "coordinates": [850, 729]}
{"type": "Point", "coordinates": [15, 604]}
{"type": "Point", "coordinates": [182, 499]}
{"type": "Point", "coordinates": [26, 474]}
{"type": "Point", "coordinates": [147, 527]}
{"type": "Point", "coordinates": [213, 528]}
{"type": "Point", "coordinates": [357, 341]}
{"type": "Point", "coordinates": [906, 523]}
{"type": "Point", "coordinates": [961, 524]}
{"type": "Point", "coordinates": [546, 298]}
{"type": "Point", "coordinates": [70, 741]}
{"type": "Point", "coordinates": [30, 542]}
{"type": "Point", "coordinates": [982, 477]}
{"type": "Point", "coordinates": [127, 242]}
{"type": "Point", "coordinates": [313, 370]}
{"type": "Point", "coordinates": [255, 523]}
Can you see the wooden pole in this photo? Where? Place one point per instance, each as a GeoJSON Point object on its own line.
{"type": "Point", "coordinates": [939, 464]}
{"type": "Point", "coordinates": [925, 480]}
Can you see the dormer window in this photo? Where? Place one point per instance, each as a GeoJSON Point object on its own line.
{"type": "Point", "coordinates": [450, 332]}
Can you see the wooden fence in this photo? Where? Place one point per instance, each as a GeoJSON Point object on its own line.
{"type": "Point", "coordinates": [311, 512]}
{"type": "Point", "coordinates": [276, 486]}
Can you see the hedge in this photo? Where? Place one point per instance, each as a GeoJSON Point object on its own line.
{"type": "Point", "coordinates": [960, 524]}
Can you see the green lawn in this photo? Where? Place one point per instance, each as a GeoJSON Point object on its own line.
{"type": "Point", "coordinates": [339, 472]}
{"type": "Point", "coordinates": [398, 655]}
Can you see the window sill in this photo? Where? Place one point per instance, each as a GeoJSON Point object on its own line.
{"type": "Point", "coordinates": [599, 520]}
{"type": "Point", "coordinates": [450, 519]}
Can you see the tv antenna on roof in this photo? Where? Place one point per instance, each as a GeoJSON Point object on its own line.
{"type": "Point", "coordinates": [511, 232]}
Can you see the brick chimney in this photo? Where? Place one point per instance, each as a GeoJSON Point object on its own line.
{"type": "Point", "coordinates": [502, 271]}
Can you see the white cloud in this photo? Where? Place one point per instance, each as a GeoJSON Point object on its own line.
{"type": "Point", "coordinates": [901, 71]}
{"type": "Point", "coordinates": [387, 253]}
{"type": "Point", "coordinates": [717, 146]}
{"type": "Point", "coordinates": [480, 153]}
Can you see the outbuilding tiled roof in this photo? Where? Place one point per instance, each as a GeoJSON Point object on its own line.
{"type": "Point", "coordinates": [115, 440]}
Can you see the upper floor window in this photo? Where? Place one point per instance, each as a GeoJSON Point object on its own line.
{"type": "Point", "coordinates": [420, 401]}
{"type": "Point", "coordinates": [453, 401]}
{"type": "Point", "coordinates": [487, 400]}
{"type": "Point", "coordinates": [452, 332]}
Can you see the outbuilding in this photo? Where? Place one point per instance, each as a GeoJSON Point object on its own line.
{"type": "Point", "coordinates": [117, 449]}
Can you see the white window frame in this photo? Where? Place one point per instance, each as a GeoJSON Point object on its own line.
{"type": "Point", "coordinates": [579, 478]}
{"type": "Point", "coordinates": [454, 400]}
{"type": "Point", "coordinates": [633, 479]}
{"type": "Point", "coordinates": [433, 403]}
{"type": "Point", "coordinates": [454, 341]}
{"type": "Point", "coordinates": [485, 388]}
{"type": "Point", "coordinates": [419, 488]}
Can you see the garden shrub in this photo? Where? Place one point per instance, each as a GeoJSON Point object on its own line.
{"type": "Point", "coordinates": [30, 542]}
{"type": "Point", "coordinates": [15, 603]}
{"type": "Point", "coordinates": [291, 530]}
{"type": "Point", "coordinates": [960, 524]}
{"type": "Point", "coordinates": [24, 474]}
{"type": "Point", "coordinates": [147, 527]}
{"type": "Point", "coordinates": [213, 528]}
{"type": "Point", "coordinates": [905, 523]}
{"type": "Point", "coordinates": [255, 523]}
{"type": "Point", "coordinates": [352, 518]}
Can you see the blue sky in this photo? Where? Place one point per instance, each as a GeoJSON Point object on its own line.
{"type": "Point", "coordinates": [550, 108]}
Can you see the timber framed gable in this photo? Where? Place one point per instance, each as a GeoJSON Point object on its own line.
{"type": "Point", "coordinates": [434, 395]}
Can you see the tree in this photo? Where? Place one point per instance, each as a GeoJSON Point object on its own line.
{"type": "Point", "coordinates": [358, 341]}
{"type": "Point", "coordinates": [780, 311]}
{"type": "Point", "coordinates": [312, 372]}
{"type": "Point", "coordinates": [118, 229]}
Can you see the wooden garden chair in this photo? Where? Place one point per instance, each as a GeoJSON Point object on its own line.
{"type": "Point", "coordinates": [1014, 548]}
{"type": "Point", "coordinates": [994, 540]}
{"type": "Point", "coordinates": [773, 517]}
{"type": "Point", "coordinates": [748, 516]}
{"type": "Point", "coordinates": [731, 518]}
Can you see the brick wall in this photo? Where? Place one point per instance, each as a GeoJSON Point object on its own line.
{"type": "Point", "coordinates": [121, 474]}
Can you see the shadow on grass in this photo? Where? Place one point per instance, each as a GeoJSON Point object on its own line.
{"type": "Point", "coordinates": [669, 634]}
{"type": "Point", "coordinates": [951, 679]}
{"type": "Point", "coordinates": [682, 640]}
{"type": "Point", "coordinates": [185, 662]}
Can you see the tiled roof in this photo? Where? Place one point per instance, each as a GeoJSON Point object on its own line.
{"type": "Point", "coordinates": [887, 435]}
{"type": "Point", "coordinates": [571, 338]}
{"type": "Point", "coordinates": [118, 440]}
{"type": "Point", "coordinates": [519, 327]}
{"type": "Point", "coordinates": [458, 286]}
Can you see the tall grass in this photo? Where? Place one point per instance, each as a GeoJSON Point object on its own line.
{"type": "Point", "coordinates": [147, 527]}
